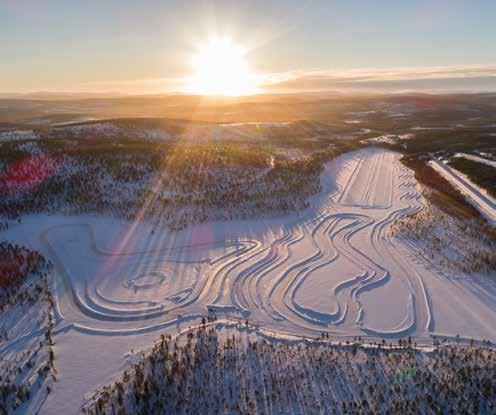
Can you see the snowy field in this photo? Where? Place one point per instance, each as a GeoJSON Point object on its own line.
{"type": "Point", "coordinates": [333, 268]}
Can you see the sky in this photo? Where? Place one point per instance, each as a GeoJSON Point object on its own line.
{"type": "Point", "coordinates": [132, 46]}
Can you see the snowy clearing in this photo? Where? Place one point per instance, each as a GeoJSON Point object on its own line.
{"type": "Point", "coordinates": [18, 135]}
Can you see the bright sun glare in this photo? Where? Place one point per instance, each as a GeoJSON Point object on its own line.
{"type": "Point", "coordinates": [220, 68]}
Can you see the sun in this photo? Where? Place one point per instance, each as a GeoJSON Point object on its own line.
{"type": "Point", "coordinates": [220, 68]}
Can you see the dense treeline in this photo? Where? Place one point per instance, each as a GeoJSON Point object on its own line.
{"type": "Point", "coordinates": [26, 306]}
{"type": "Point", "coordinates": [480, 173]}
{"type": "Point", "coordinates": [442, 193]}
{"type": "Point", "coordinates": [219, 373]}
{"type": "Point", "coordinates": [16, 262]}
{"type": "Point", "coordinates": [175, 184]}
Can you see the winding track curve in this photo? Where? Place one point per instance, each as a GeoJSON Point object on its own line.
{"type": "Point", "coordinates": [265, 279]}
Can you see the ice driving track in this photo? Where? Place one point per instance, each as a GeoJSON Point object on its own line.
{"type": "Point", "coordinates": [341, 246]}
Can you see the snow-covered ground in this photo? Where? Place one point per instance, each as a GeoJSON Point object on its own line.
{"type": "Point", "coordinates": [475, 195]}
{"type": "Point", "coordinates": [333, 268]}
{"type": "Point", "coordinates": [389, 138]}
{"type": "Point", "coordinates": [17, 135]}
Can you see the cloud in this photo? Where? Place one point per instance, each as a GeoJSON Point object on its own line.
{"type": "Point", "coordinates": [136, 86]}
{"type": "Point", "coordinates": [428, 79]}
{"type": "Point", "coordinates": [466, 78]}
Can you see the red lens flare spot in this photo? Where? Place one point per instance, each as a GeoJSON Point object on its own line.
{"type": "Point", "coordinates": [27, 173]}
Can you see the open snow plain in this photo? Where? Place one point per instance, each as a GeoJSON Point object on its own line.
{"type": "Point", "coordinates": [333, 268]}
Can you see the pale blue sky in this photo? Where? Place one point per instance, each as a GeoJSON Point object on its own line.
{"type": "Point", "coordinates": [110, 45]}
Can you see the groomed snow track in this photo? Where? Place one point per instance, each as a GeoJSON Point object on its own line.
{"type": "Point", "coordinates": [333, 269]}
